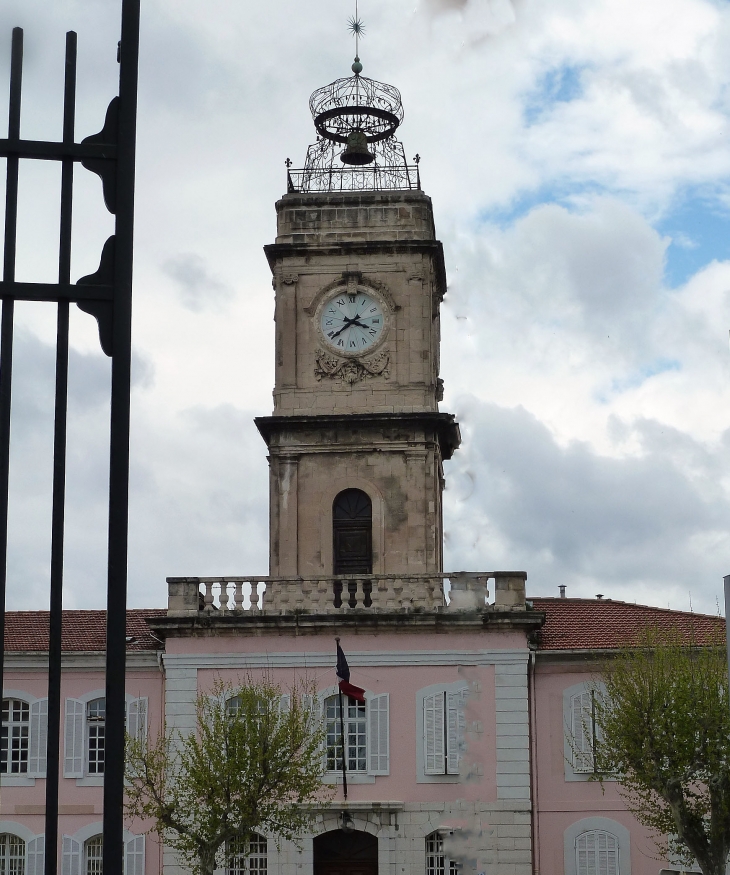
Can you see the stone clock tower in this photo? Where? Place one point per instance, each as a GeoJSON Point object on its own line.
{"type": "Point", "coordinates": [356, 440]}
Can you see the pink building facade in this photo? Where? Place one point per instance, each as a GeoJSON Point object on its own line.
{"type": "Point", "coordinates": [497, 788]}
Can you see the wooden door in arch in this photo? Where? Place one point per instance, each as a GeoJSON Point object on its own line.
{"type": "Point", "coordinates": [352, 532]}
{"type": "Point", "coordinates": [341, 852]}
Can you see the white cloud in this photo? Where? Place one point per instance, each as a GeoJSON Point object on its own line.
{"type": "Point", "coordinates": [560, 335]}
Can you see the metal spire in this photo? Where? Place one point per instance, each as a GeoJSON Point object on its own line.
{"type": "Point", "coordinates": [357, 29]}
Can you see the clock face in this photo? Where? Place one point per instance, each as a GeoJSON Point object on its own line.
{"type": "Point", "coordinates": [352, 323]}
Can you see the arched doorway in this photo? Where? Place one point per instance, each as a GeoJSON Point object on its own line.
{"type": "Point", "coordinates": [341, 852]}
{"type": "Point", "coordinates": [352, 533]}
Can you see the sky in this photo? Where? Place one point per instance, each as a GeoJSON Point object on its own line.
{"type": "Point", "coordinates": [578, 158]}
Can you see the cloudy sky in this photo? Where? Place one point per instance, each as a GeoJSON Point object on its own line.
{"type": "Point", "coordinates": [578, 157]}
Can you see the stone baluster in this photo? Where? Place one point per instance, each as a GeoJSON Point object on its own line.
{"type": "Point", "coordinates": [324, 597]}
{"type": "Point", "coordinates": [256, 598]}
{"type": "Point", "coordinates": [238, 596]}
{"type": "Point", "coordinates": [379, 595]}
{"type": "Point", "coordinates": [282, 596]}
{"type": "Point", "coordinates": [208, 597]}
{"type": "Point", "coordinates": [314, 595]}
{"type": "Point", "coordinates": [223, 597]}
{"type": "Point", "coordinates": [419, 594]}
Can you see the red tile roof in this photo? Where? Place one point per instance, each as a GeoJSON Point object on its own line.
{"type": "Point", "coordinates": [82, 630]}
{"type": "Point", "coordinates": [583, 624]}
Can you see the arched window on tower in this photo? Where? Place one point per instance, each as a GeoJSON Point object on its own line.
{"type": "Point", "coordinates": [352, 532]}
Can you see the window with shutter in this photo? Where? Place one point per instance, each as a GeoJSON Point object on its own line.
{"type": "Point", "coordinates": [378, 734]}
{"type": "Point", "coordinates": [444, 726]}
{"type": "Point", "coordinates": [137, 719]}
{"type": "Point", "coordinates": [247, 857]}
{"type": "Point", "coordinates": [354, 723]}
{"type": "Point", "coordinates": [96, 734]}
{"type": "Point", "coordinates": [38, 738]}
{"type": "Point", "coordinates": [71, 856]}
{"type": "Point", "coordinates": [73, 760]}
{"type": "Point", "coordinates": [12, 854]}
{"type": "Point", "coordinates": [583, 728]}
{"type": "Point", "coordinates": [597, 853]}
{"type": "Point", "coordinates": [134, 856]}
{"type": "Point", "coordinates": [456, 727]}
{"type": "Point", "coordinates": [93, 856]}
{"type": "Point", "coordinates": [15, 737]}
{"type": "Point", "coordinates": [433, 733]}
{"type": "Point", "coordinates": [436, 860]}
{"type": "Point", "coordinates": [35, 856]}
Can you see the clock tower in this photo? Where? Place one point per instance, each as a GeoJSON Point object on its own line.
{"type": "Point", "coordinates": [356, 440]}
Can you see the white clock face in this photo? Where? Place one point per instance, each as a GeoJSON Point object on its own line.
{"type": "Point", "coordinates": [352, 323]}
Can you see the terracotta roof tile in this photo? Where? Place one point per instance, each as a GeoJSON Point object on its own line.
{"type": "Point", "coordinates": [82, 630]}
{"type": "Point", "coordinates": [578, 624]}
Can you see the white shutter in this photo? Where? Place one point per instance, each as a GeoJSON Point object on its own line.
{"type": "Point", "coordinates": [38, 742]}
{"type": "Point", "coordinates": [71, 857]}
{"type": "Point", "coordinates": [433, 734]}
{"type": "Point", "coordinates": [35, 856]}
{"type": "Point", "coordinates": [597, 853]}
{"type": "Point", "coordinates": [73, 761]}
{"type": "Point", "coordinates": [134, 856]}
{"type": "Point", "coordinates": [137, 719]}
{"type": "Point", "coordinates": [377, 735]}
{"type": "Point", "coordinates": [581, 709]}
{"type": "Point", "coordinates": [455, 729]}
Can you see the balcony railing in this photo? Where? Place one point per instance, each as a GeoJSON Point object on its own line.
{"type": "Point", "coordinates": [247, 596]}
{"type": "Point", "coordinates": [371, 177]}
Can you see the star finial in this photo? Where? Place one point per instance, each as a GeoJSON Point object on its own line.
{"type": "Point", "coordinates": [357, 29]}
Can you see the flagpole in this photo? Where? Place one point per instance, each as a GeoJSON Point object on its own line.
{"type": "Point", "coordinates": [342, 736]}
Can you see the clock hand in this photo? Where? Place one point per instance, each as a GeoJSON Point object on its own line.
{"type": "Point", "coordinates": [347, 324]}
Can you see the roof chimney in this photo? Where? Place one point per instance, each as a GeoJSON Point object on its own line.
{"type": "Point", "coordinates": [562, 590]}
{"type": "Point", "coordinates": [599, 595]}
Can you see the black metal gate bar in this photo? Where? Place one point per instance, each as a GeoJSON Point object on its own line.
{"type": "Point", "coordinates": [8, 310]}
{"type": "Point", "coordinates": [116, 605]}
{"type": "Point", "coordinates": [107, 295]}
{"type": "Point", "coordinates": [59, 469]}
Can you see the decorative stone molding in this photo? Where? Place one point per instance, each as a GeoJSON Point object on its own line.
{"type": "Point", "coordinates": [348, 279]}
{"type": "Point", "coordinates": [290, 279]}
{"type": "Point", "coordinates": [351, 370]}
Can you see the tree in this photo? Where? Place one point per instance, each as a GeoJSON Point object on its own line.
{"type": "Point", "coordinates": [254, 764]}
{"type": "Point", "coordinates": [663, 727]}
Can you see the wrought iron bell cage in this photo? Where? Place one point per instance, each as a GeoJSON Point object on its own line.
{"type": "Point", "coordinates": [363, 115]}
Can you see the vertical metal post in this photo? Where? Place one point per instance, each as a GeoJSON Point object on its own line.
{"type": "Point", "coordinates": [116, 629]}
{"type": "Point", "coordinates": [726, 580]}
{"type": "Point", "coordinates": [8, 310]}
{"type": "Point", "coordinates": [59, 471]}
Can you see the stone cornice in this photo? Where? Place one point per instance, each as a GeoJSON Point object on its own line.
{"type": "Point", "coordinates": [360, 248]}
{"type": "Point", "coordinates": [300, 624]}
{"type": "Point", "coordinates": [444, 423]}
{"type": "Point", "coordinates": [79, 661]}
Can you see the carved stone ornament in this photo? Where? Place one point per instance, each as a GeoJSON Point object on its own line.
{"type": "Point", "coordinates": [351, 370]}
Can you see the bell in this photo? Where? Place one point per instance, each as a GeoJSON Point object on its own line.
{"type": "Point", "coordinates": [356, 151]}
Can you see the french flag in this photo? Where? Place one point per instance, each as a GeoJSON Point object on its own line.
{"type": "Point", "coordinates": [343, 676]}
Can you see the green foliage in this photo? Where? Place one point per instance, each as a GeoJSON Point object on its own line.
{"type": "Point", "coordinates": [254, 765]}
{"type": "Point", "coordinates": [663, 719]}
